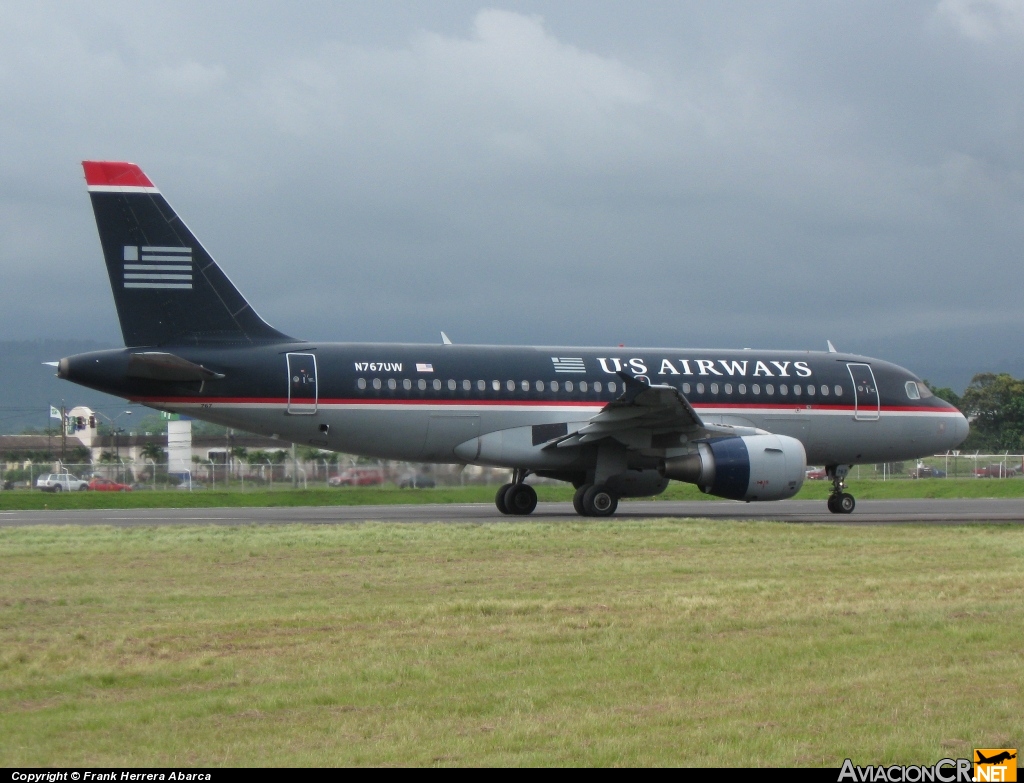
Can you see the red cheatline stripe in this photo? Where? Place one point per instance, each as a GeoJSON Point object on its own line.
{"type": "Point", "coordinates": [105, 172]}
{"type": "Point", "coordinates": [523, 403]}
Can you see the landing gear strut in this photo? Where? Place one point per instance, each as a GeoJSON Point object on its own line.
{"type": "Point", "coordinates": [516, 498]}
{"type": "Point", "coordinates": [839, 502]}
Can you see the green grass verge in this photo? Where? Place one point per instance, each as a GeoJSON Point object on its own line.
{"type": "Point", "coordinates": [369, 496]}
{"type": "Point", "coordinates": [598, 643]}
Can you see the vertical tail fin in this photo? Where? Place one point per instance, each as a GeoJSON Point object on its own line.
{"type": "Point", "coordinates": [167, 288]}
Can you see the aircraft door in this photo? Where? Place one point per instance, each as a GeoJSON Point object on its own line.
{"type": "Point", "coordinates": [865, 392]}
{"type": "Point", "coordinates": [302, 387]}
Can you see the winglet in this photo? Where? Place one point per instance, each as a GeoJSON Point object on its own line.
{"type": "Point", "coordinates": [444, 339]}
{"type": "Point", "coordinates": [633, 387]}
{"type": "Point", "coordinates": [831, 348]}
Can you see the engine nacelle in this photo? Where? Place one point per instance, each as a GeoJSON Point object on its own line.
{"type": "Point", "coordinates": [750, 467]}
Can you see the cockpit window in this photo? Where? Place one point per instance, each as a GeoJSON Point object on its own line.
{"type": "Point", "coordinates": [925, 391]}
{"type": "Point", "coordinates": [912, 391]}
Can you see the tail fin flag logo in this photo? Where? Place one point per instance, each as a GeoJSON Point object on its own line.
{"type": "Point", "coordinates": [157, 267]}
{"type": "Point", "coordinates": [995, 764]}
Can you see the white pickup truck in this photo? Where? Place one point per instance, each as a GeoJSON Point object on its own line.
{"type": "Point", "coordinates": [61, 482]}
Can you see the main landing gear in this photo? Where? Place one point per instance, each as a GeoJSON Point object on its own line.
{"type": "Point", "coordinates": [516, 498]}
{"type": "Point", "coordinates": [595, 500]}
{"type": "Point", "coordinates": [839, 502]}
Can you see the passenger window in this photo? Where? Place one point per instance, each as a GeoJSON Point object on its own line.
{"type": "Point", "coordinates": [392, 384]}
{"type": "Point", "coordinates": [714, 388]}
{"type": "Point", "coordinates": [376, 383]}
{"type": "Point", "coordinates": [496, 385]}
{"type": "Point", "coordinates": [452, 385]}
{"type": "Point", "coordinates": [824, 390]}
{"type": "Point", "coordinates": [700, 388]}
{"type": "Point", "coordinates": [810, 390]}
{"type": "Point", "coordinates": [583, 385]}
{"type": "Point", "coordinates": [407, 384]}
{"type": "Point", "coordinates": [568, 386]}
{"type": "Point", "coordinates": [481, 385]}
{"type": "Point", "coordinates": [525, 385]}
{"type": "Point", "coordinates": [421, 384]}
{"type": "Point", "coordinates": [912, 391]}
{"type": "Point", "coordinates": [437, 384]}
{"type": "Point", "coordinates": [686, 388]}
{"type": "Point", "coordinates": [756, 388]}
{"type": "Point", "coordinates": [743, 388]}
{"type": "Point", "coordinates": [612, 387]}
{"type": "Point", "coordinates": [728, 388]}
{"type": "Point", "coordinates": [361, 383]}
{"type": "Point", "coordinates": [554, 385]}
{"type": "Point", "coordinates": [783, 389]}
{"type": "Point", "coordinates": [510, 385]}
{"type": "Point", "coordinates": [467, 385]}
{"type": "Point", "coordinates": [838, 390]}
{"type": "Point", "coordinates": [597, 386]}
{"type": "Point", "coordinates": [796, 389]}
{"type": "Point", "coordinates": [769, 389]}
{"type": "Point", "coordinates": [540, 386]}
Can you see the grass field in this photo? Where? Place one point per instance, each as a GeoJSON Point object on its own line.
{"type": "Point", "coordinates": [608, 643]}
{"type": "Point", "coordinates": [359, 496]}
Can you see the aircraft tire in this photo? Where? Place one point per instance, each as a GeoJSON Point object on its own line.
{"type": "Point", "coordinates": [846, 503]}
{"type": "Point", "coordinates": [832, 504]}
{"type": "Point", "coordinates": [577, 499]}
{"type": "Point", "coordinates": [599, 501]}
{"type": "Point", "coordinates": [499, 498]}
{"type": "Point", "coordinates": [521, 499]}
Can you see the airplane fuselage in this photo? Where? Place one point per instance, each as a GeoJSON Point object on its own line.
{"type": "Point", "coordinates": [425, 403]}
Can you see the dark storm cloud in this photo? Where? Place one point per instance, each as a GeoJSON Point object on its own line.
{"type": "Point", "coordinates": [730, 174]}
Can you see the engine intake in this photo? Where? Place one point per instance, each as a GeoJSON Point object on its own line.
{"type": "Point", "coordinates": [750, 467]}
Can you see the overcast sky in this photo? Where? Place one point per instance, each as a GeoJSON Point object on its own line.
{"type": "Point", "coordinates": [686, 174]}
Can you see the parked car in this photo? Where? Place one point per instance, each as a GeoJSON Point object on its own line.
{"type": "Point", "coordinates": [816, 474]}
{"type": "Point", "coordinates": [997, 471]}
{"type": "Point", "coordinates": [357, 477]}
{"type": "Point", "coordinates": [417, 481]}
{"type": "Point", "coordinates": [926, 471]}
{"type": "Point", "coordinates": [61, 482]}
{"type": "Point", "coordinates": [106, 485]}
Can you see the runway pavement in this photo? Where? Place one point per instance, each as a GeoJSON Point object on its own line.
{"type": "Point", "coordinates": [868, 512]}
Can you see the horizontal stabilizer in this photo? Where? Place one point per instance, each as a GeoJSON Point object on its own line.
{"type": "Point", "coordinates": [160, 366]}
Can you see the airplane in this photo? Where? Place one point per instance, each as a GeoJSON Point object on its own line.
{"type": "Point", "coordinates": [613, 422]}
{"type": "Point", "coordinates": [996, 759]}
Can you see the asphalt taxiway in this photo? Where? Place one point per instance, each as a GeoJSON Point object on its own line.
{"type": "Point", "coordinates": [868, 512]}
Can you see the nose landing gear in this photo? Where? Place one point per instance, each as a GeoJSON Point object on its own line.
{"type": "Point", "coordinates": [839, 502]}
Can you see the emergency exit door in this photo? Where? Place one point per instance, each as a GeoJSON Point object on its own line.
{"type": "Point", "coordinates": [302, 387]}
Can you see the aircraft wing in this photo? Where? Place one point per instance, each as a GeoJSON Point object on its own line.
{"type": "Point", "coordinates": [647, 416]}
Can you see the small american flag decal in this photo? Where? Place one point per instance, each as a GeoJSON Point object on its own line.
{"type": "Point", "coordinates": [424, 367]}
{"type": "Point", "coordinates": [571, 365]}
{"type": "Point", "coordinates": [157, 267]}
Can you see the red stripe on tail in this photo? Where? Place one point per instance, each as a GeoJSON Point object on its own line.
{"type": "Point", "coordinates": [104, 172]}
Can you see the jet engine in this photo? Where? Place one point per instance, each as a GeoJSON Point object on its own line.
{"type": "Point", "coordinates": [749, 467]}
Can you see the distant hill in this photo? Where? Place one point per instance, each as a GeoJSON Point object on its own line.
{"type": "Point", "coordinates": [28, 389]}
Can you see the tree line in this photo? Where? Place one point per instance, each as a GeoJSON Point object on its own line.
{"type": "Point", "coordinates": [994, 404]}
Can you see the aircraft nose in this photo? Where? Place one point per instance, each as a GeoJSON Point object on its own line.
{"type": "Point", "coordinates": [962, 428]}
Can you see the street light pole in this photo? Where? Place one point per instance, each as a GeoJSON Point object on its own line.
{"type": "Point", "coordinates": [115, 432]}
